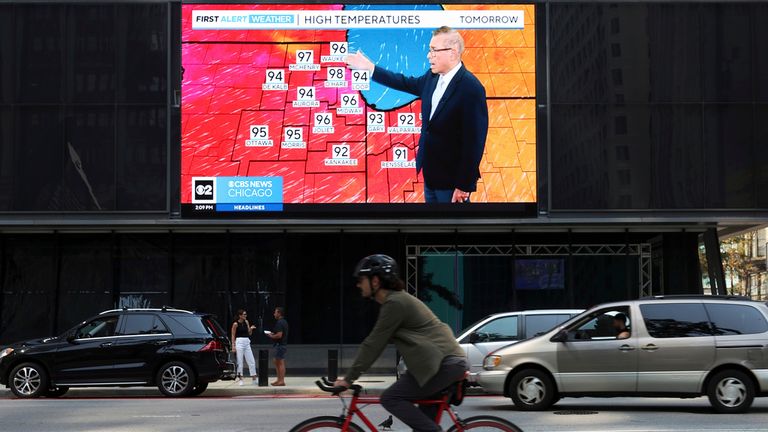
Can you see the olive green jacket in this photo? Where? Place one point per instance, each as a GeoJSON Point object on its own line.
{"type": "Point", "coordinates": [422, 339]}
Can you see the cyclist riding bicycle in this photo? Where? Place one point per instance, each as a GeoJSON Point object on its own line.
{"type": "Point", "coordinates": [434, 358]}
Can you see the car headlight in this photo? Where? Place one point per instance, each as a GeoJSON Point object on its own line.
{"type": "Point", "coordinates": [491, 362]}
{"type": "Point", "coordinates": [6, 352]}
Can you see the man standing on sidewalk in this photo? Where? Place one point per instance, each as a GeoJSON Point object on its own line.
{"type": "Point", "coordinates": [279, 341]}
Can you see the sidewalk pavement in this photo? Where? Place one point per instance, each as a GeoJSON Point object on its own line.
{"type": "Point", "coordinates": [298, 386]}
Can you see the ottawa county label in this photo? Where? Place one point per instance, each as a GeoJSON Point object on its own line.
{"type": "Point", "coordinates": [258, 143]}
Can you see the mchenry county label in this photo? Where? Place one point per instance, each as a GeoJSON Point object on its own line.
{"type": "Point", "coordinates": [303, 67]}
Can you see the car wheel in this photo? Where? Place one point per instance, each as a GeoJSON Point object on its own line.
{"type": "Point", "coordinates": [532, 390]}
{"type": "Point", "coordinates": [731, 391]}
{"type": "Point", "coordinates": [175, 379]}
{"type": "Point", "coordinates": [199, 389]}
{"type": "Point", "coordinates": [55, 392]}
{"type": "Point", "coordinates": [28, 380]}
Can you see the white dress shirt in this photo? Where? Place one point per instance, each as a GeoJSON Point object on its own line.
{"type": "Point", "coordinates": [442, 84]}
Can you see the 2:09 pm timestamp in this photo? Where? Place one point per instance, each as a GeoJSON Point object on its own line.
{"type": "Point", "coordinates": [203, 206]}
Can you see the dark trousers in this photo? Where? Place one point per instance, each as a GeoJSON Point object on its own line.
{"type": "Point", "coordinates": [398, 398]}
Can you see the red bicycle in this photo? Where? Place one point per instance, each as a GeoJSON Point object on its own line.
{"type": "Point", "coordinates": [344, 422]}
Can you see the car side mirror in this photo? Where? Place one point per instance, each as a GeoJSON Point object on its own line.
{"type": "Point", "coordinates": [560, 336]}
{"type": "Point", "coordinates": [474, 338]}
{"type": "Point", "coordinates": [71, 338]}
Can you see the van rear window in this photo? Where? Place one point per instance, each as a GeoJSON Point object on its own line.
{"type": "Point", "coordinates": [735, 319]}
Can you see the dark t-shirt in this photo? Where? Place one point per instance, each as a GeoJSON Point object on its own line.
{"type": "Point", "coordinates": [281, 326]}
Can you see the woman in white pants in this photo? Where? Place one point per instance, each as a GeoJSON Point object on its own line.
{"type": "Point", "coordinates": [241, 345]}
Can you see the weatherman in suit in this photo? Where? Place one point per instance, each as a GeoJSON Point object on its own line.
{"type": "Point", "coordinates": [454, 117]}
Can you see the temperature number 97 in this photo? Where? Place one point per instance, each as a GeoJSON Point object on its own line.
{"type": "Point", "coordinates": [304, 56]}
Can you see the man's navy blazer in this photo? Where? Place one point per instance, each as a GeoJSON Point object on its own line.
{"type": "Point", "coordinates": [452, 142]}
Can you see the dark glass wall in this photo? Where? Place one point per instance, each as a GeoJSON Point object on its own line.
{"type": "Point", "coordinates": [83, 107]}
{"type": "Point", "coordinates": [52, 281]}
{"type": "Point", "coordinates": [659, 105]}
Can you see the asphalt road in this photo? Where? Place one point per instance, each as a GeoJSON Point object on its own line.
{"type": "Point", "coordinates": [260, 413]}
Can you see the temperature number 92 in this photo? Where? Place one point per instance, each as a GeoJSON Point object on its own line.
{"type": "Point", "coordinates": [340, 151]}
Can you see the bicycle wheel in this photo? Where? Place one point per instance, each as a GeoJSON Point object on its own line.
{"type": "Point", "coordinates": [485, 423]}
{"type": "Point", "coordinates": [324, 423]}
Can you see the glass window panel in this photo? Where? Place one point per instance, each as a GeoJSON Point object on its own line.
{"type": "Point", "coordinates": [7, 155]}
{"type": "Point", "coordinates": [91, 31]}
{"type": "Point", "coordinates": [135, 324]}
{"type": "Point", "coordinates": [735, 319]}
{"type": "Point", "coordinates": [143, 49]}
{"type": "Point", "coordinates": [88, 175]}
{"type": "Point", "coordinates": [142, 158]}
{"type": "Point", "coordinates": [728, 143]}
{"type": "Point", "coordinates": [41, 53]}
{"type": "Point", "coordinates": [537, 324]}
{"type": "Point", "coordinates": [99, 327]}
{"type": "Point", "coordinates": [29, 283]}
{"type": "Point", "coordinates": [144, 276]}
{"type": "Point", "coordinates": [761, 155]}
{"type": "Point", "coordinates": [676, 320]}
{"type": "Point", "coordinates": [39, 151]}
{"type": "Point", "coordinates": [85, 277]}
{"type": "Point", "coordinates": [200, 270]}
{"type": "Point", "coordinates": [501, 329]}
{"type": "Point", "coordinates": [7, 54]}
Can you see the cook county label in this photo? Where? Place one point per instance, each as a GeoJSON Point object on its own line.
{"type": "Point", "coordinates": [249, 193]}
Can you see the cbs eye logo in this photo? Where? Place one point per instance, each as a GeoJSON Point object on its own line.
{"type": "Point", "coordinates": [203, 190]}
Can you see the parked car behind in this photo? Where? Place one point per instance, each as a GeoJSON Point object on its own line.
{"type": "Point", "coordinates": [679, 346]}
{"type": "Point", "coordinates": [178, 351]}
{"type": "Point", "coordinates": [501, 329]}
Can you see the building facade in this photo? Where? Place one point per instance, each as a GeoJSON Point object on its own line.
{"type": "Point", "coordinates": [651, 138]}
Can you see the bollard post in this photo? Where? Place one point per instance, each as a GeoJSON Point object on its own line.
{"type": "Point", "coordinates": [263, 368]}
{"type": "Point", "coordinates": [333, 364]}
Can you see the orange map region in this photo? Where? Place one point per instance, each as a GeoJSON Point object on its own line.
{"type": "Point", "coordinates": [223, 100]}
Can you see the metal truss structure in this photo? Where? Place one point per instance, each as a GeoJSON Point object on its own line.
{"type": "Point", "coordinates": [640, 250]}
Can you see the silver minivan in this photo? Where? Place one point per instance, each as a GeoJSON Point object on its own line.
{"type": "Point", "coordinates": [679, 346]}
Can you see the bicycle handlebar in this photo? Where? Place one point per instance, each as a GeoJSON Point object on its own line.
{"type": "Point", "coordinates": [327, 386]}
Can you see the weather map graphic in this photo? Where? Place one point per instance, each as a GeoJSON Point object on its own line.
{"type": "Point", "coordinates": [271, 115]}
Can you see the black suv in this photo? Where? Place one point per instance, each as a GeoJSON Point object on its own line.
{"type": "Point", "coordinates": [179, 351]}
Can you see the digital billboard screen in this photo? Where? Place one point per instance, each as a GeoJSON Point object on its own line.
{"type": "Point", "coordinates": [276, 119]}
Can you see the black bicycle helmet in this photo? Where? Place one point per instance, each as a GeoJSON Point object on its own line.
{"type": "Point", "coordinates": [382, 266]}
